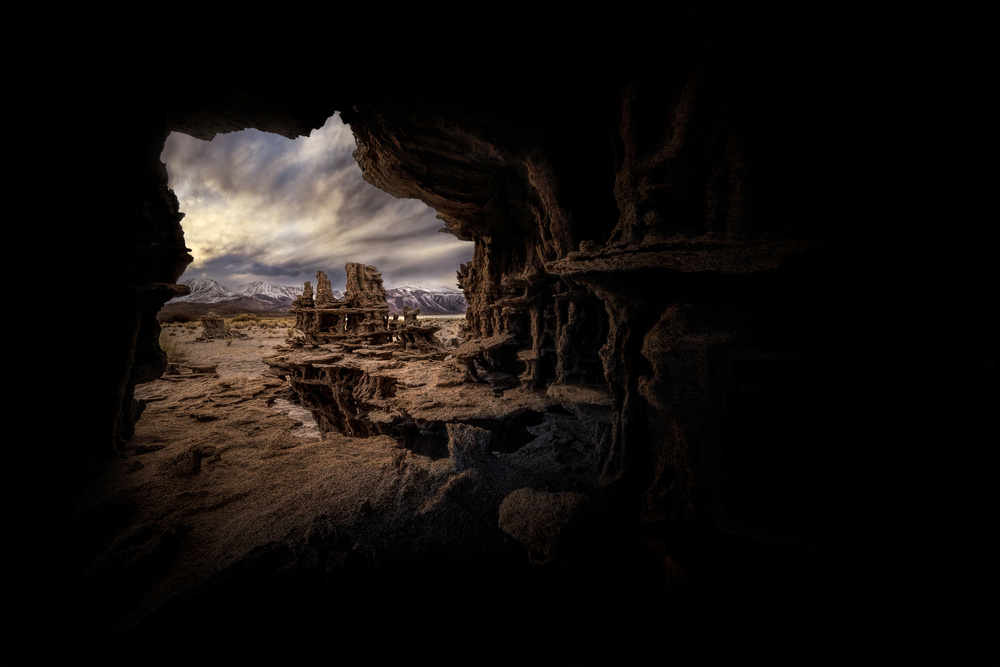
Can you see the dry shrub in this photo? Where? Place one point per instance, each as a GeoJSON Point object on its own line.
{"type": "Point", "coordinates": [174, 350]}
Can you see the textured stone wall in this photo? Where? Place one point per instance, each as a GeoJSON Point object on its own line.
{"type": "Point", "coordinates": [653, 258]}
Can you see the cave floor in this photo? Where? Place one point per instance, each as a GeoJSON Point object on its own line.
{"type": "Point", "coordinates": [222, 506]}
{"type": "Point", "coordinates": [223, 519]}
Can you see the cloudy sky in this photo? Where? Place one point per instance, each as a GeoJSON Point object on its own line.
{"type": "Point", "coordinates": [262, 207]}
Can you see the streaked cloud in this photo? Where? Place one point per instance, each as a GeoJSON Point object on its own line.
{"type": "Point", "coordinates": [262, 207]}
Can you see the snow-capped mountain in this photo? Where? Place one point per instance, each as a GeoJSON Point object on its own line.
{"type": "Point", "coordinates": [258, 288]}
{"type": "Point", "coordinates": [251, 296]}
{"type": "Point", "coordinates": [442, 301]}
{"type": "Point", "coordinates": [205, 291]}
{"type": "Point", "coordinates": [264, 296]}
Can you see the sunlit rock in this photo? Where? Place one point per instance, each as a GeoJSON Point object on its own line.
{"type": "Point", "coordinates": [214, 326]}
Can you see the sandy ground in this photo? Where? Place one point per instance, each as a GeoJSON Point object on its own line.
{"type": "Point", "coordinates": [242, 357]}
{"type": "Point", "coordinates": [229, 532]}
{"type": "Point", "coordinates": [221, 470]}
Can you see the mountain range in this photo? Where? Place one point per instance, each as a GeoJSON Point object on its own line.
{"type": "Point", "coordinates": [259, 296]}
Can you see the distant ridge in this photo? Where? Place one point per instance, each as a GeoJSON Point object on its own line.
{"type": "Point", "coordinates": [264, 297]}
{"type": "Point", "coordinates": [205, 291]}
{"type": "Point", "coordinates": [258, 288]}
{"type": "Point", "coordinates": [430, 302]}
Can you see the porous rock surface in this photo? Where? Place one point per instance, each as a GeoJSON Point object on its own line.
{"type": "Point", "coordinates": [656, 251]}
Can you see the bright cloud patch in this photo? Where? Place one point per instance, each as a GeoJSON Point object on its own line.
{"type": "Point", "coordinates": [262, 207]}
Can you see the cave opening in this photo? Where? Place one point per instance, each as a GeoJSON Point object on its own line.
{"type": "Point", "coordinates": [259, 208]}
{"type": "Point", "coordinates": [262, 214]}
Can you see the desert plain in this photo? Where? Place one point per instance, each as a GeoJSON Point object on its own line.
{"type": "Point", "coordinates": [225, 475]}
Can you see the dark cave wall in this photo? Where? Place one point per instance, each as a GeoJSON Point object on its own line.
{"type": "Point", "coordinates": [143, 256]}
{"type": "Point", "coordinates": [657, 243]}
